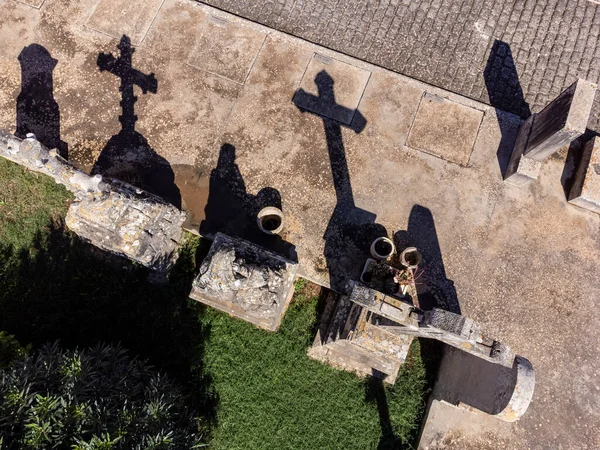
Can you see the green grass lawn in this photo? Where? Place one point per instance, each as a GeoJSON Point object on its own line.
{"type": "Point", "coordinates": [256, 389]}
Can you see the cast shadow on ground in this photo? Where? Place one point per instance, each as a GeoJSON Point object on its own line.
{"type": "Point", "coordinates": [351, 229]}
{"type": "Point", "coordinates": [68, 290]}
{"type": "Point", "coordinates": [37, 110]}
{"type": "Point", "coordinates": [231, 210]}
{"type": "Point", "coordinates": [128, 156]}
{"type": "Point", "coordinates": [505, 95]}
{"type": "Point", "coordinates": [375, 393]}
{"type": "Point", "coordinates": [573, 160]}
{"type": "Point", "coordinates": [434, 289]}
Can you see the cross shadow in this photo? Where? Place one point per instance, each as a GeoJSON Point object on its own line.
{"type": "Point", "coordinates": [231, 210]}
{"type": "Point", "coordinates": [505, 95]}
{"type": "Point", "coordinates": [375, 393]}
{"type": "Point", "coordinates": [434, 289]}
{"type": "Point", "coordinates": [350, 230]}
{"type": "Point", "coordinates": [128, 156]}
{"type": "Point", "coordinates": [37, 110]}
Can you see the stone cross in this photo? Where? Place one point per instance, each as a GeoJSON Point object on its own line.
{"type": "Point", "coordinates": [130, 77]}
{"type": "Point", "coordinates": [324, 105]}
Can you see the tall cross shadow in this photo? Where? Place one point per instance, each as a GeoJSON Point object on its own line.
{"type": "Point", "coordinates": [127, 156]}
{"type": "Point", "coordinates": [506, 95]}
{"type": "Point", "coordinates": [351, 229]}
{"type": "Point", "coordinates": [37, 110]}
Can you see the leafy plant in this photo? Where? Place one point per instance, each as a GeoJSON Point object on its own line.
{"type": "Point", "coordinates": [97, 398]}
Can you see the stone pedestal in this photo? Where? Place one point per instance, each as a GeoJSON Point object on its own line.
{"type": "Point", "coordinates": [522, 170]}
{"type": "Point", "coordinates": [245, 281]}
{"type": "Point", "coordinates": [585, 191]}
{"type": "Point", "coordinates": [562, 121]}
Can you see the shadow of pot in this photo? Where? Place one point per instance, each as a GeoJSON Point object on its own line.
{"type": "Point", "coordinates": [382, 248]}
{"type": "Point", "coordinates": [410, 258]}
{"type": "Point", "coordinates": [270, 220]}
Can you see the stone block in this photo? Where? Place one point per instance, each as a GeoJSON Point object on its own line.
{"type": "Point", "coordinates": [522, 170]}
{"type": "Point", "coordinates": [226, 48]}
{"type": "Point", "coordinates": [246, 281]}
{"type": "Point", "coordinates": [349, 81]}
{"type": "Point", "coordinates": [562, 121]}
{"type": "Point", "coordinates": [585, 191]}
{"type": "Point", "coordinates": [132, 18]}
{"type": "Point", "coordinates": [454, 133]}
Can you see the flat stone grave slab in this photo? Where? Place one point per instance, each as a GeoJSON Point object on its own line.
{"type": "Point", "coordinates": [445, 129]}
{"type": "Point", "coordinates": [226, 48]}
{"type": "Point", "coordinates": [132, 18]}
{"type": "Point", "coordinates": [37, 4]}
{"type": "Point", "coordinates": [349, 85]}
{"type": "Point", "coordinates": [245, 281]}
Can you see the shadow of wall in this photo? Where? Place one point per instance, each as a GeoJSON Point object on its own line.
{"type": "Point", "coordinates": [506, 95]}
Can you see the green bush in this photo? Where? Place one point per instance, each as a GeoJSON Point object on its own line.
{"type": "Point", "coordinates": [96, 398]}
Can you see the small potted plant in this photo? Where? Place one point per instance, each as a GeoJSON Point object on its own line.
{"type": "Point", "coordinates": [382, 248]}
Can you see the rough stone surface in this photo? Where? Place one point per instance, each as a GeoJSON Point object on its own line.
{"type": "Point", "coordinates": [132, 18]}
{"type": "Point", "coordinates": [246, 281]}
{"type": "Point", "coordinates": [453, 136]}
{"type": "Point", "coordinates": [522, 170]}
{"type": "Point", "coordinates": [545, 45]}
{"type": "Point", "coordinates": [112, 215]}
{"type": "Point", "coordinates": [585, 191]}
{"type": "Point", "coordinates": [562, 121]}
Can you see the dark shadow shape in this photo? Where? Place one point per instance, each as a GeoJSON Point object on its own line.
{"type": "Point", "coordinates": [573, 160]}
{"type": "Point", "coordinates": [127, 156]}
{"type": "Point", "coordinates": [350, 230]}
{"type": "Point", "coordinates": [433, 288]}
{"type": "Point", "coordinates": [66, 289]}
{"type": "Point", "coordinates": [37, 110]}
{"type": "Point", "coordinates": [474, 381]}
{"type": "Point", "coordinates": [231, 210]}
{"type": "Point", "coordinates": [375, 393]}
{"type": "Point", "coordinates": [505, 95]}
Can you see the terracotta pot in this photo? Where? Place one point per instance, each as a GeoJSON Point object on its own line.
{"type": "Point", "coordinates": [410, 258]}
{"type": "Point", "coordinates": [382, 248]}
{"type": "Point", "coordinates": [270, 220]}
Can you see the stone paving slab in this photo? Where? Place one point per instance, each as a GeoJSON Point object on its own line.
{"type": "Point", "coordinates": [133, 18]}
{"type": "Point", "coordinates": [349, 84]}
{"type": "Point", "coordinates": [547, 44]}
{"type": "Point", "coordinates": [504, 249]}
{"type": "Point", "coordinates": [445, 128]}
{"type": "Point", "coordinates": [227, 49]}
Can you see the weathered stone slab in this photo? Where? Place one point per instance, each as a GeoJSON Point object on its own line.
{"type": "Point", "coordinates": [522, 170]}
{"type": "Point", "coordinates": [349, 81]}
{"type": "Point", "coordinates": [445, 129]}
{"type": "Point", "coordinates": [37, 4]}
{"type": "Point", "coordinates": [110, 214]}
{"type": "Point", "coordinates": [245, 281]}
{"type": "Point", "coordinates": [132, 18]}
{"type": "Point", "coordinates": [585, 191]}
{"type": "Point", "coordinates": [226, 48]}
{"type": "Point", "coordinates": [562, 121]}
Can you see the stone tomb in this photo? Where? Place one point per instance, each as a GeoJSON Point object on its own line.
{"type": "Point", "coordinates": [245, 281]}
{"type": "Point", "coordinates": [585, 191]}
